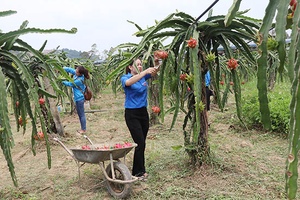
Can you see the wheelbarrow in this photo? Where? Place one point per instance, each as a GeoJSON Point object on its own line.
{"type": "Point", "coordinates": [118, 177]}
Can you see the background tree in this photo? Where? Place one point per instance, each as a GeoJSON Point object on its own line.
{"type": "Point", "coordinates": [287, 16]}
{"type": "Point", "coordinates": [192, 61]}
{"type": "Point", "coordinates": [18, 83]}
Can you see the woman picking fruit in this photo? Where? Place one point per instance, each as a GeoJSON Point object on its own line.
{"type": "Point", "coordinates": [78, 86]}
{"type": "Point", "coordinates": [135, 85]}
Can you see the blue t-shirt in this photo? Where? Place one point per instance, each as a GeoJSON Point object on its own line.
{"type": "Point", "coordinates": [136, 94]}
{"type": "Point", "coordinates": [207, 79]}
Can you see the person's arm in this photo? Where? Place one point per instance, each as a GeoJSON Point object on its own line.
{"type": "Point", "coordinates": [68, 83]}
{"type": "Point", "coordinates": [137, 77]}
{"type": "Point", "coordinates": [77, 83]}
{"type": "Point", "coordinates": [70, 70]}
{"type": "Point", "coordinates": [71, 84]}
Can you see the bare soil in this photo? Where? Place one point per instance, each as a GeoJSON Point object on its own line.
{"type": "Point", "coordinates": [244, 164]}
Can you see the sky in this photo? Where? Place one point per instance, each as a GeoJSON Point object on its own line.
{"type": "Point", "coordinates": [104, 23]}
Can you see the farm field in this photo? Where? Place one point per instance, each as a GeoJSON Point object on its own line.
{"type": "Point", "coordinates": [245, 164]}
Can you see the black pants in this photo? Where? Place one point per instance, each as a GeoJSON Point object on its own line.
{"type": "Point", "coordinates": [137, 121]}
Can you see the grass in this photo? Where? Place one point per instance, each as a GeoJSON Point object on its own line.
{"type": "Point", "coordinates": [244, 164]}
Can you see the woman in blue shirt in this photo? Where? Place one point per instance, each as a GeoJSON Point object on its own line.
{"type": "Point", "coordinates": [135, 85]}
{"type": "Point", "coordinates": [209, 92]}
{"type": "Point", "coordinates": [78, 88]}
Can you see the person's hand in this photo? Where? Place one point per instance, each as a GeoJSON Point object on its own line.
{"type": "Point", "coordinates": [151, 70]}
{"type": "Point", "coordinates": [157, 62]}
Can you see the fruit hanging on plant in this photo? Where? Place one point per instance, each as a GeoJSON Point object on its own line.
{"type": "Point", "coordinates": [182, 77]}
{"type": "Point", "coordinates": [20, 121]}
{"type": "Point", "coordinates": [17, 103]}
{"type": "Point", "coordinates": [222, 82]}
{"type": "Point", "coordinates": [161, 54]}
{"type": "Point", "coordinates": [156, 109]}
{"type": "Point", "coordinates": [41, 101]}
{"type": "Point", "coordinates": [39, 136]}
{"type": "Point", "coordinates": [232, 64]}
{"type": "Point", "coordinates": [293, 4]}
{"type": "Point", "coordinates": [192, 43]}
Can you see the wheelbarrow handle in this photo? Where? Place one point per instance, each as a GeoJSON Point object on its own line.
{"type": "Point", "coordinates": [90, 141]}
{"type": "Point", "coordinates": [64, 146]}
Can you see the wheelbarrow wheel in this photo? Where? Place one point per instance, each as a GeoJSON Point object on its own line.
{"type": "Point", "coordinates": [119, 190]}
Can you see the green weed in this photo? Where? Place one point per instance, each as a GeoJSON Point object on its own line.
{"type": "Point", "coordinates": [279, 101]}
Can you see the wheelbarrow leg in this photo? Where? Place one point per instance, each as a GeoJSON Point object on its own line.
{"type": "Point", "coordinates": [78, 169]}
{"type": "Point", "coordinates": [112, 166]}
{"type": "Point", "coordinates": [79, 166]}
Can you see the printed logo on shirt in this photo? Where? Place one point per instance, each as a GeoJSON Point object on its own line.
{"type": "Point", "coordinates": [145, 84]}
